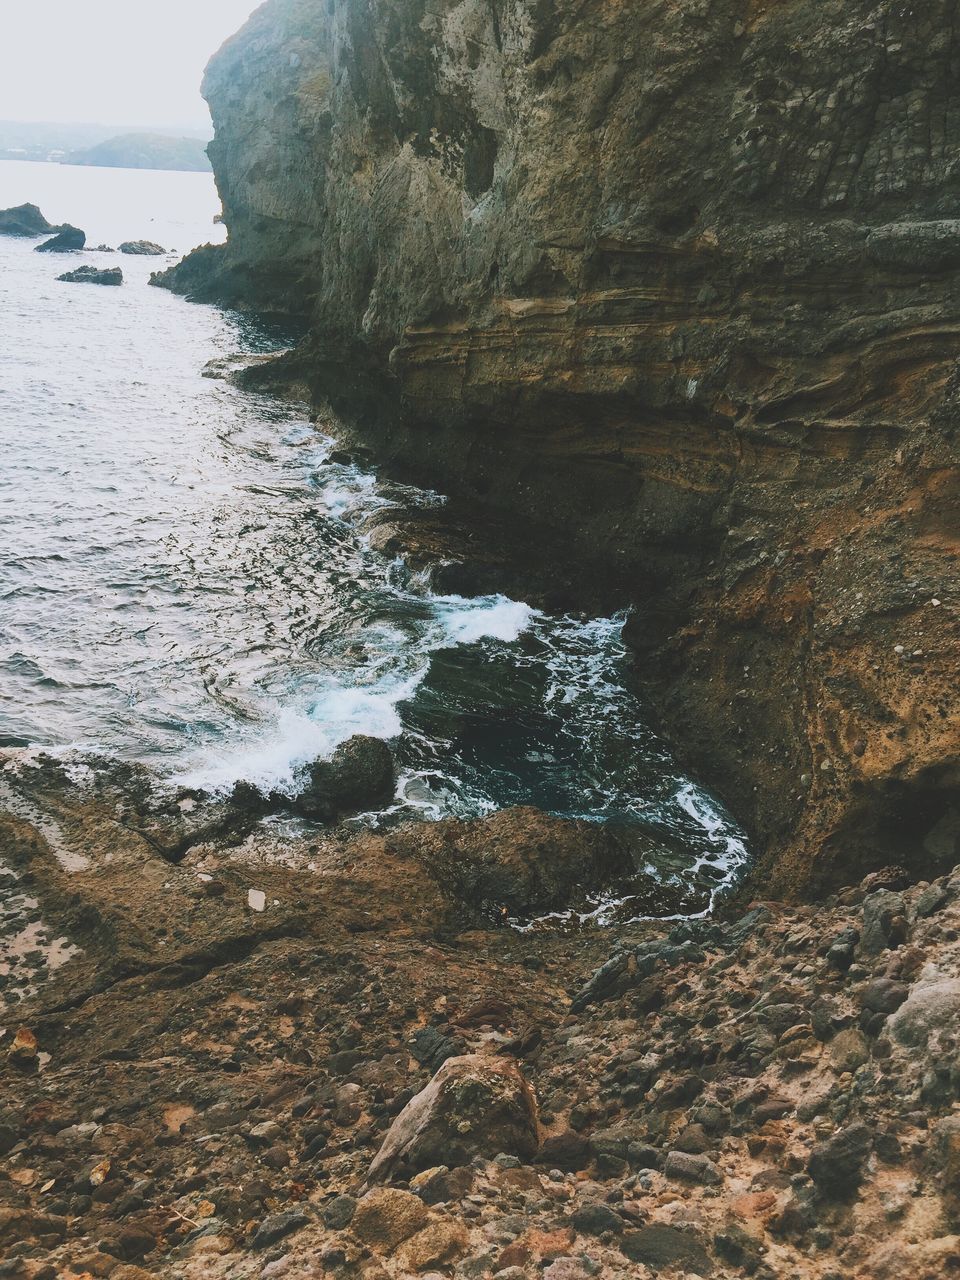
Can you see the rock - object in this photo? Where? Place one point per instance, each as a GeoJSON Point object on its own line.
{"type": "Point", "coordinates": [68, 240]}
{"type": "Point", "coordinates": [142, 248]}
{"type": "Point", "coordinates": [473, 1106]}
{"type": "Point", "coordinates": [25, 220]}
{"type": "Point", "coordinates": [361, 775]}
{"type": "Point", "coordinates": [93, 275]}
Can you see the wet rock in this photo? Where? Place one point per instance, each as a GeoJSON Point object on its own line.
{"type": "Point", "coordinates": [692, 1168]}
{"type": "Point", "coordinates": [360, 776]}
{"type": "Point", "coordinates": [386, 1217]}
{"type": "Point", "coordinates": [518, 862]}
{"type": "Point", "coordinates": [836, 1166]}
{"type": "Point", "coordinates": [93, 275]}
{"type": "Point", "coordinates": [25, 220]}
{"type": "Point", "coordinates": [142, 248]}
{"type": "Point", "coordinates": [473, 1106]}
{"type": "Point", "coordinates": [662, 1246]}
{"type": "Point", "coordinates": [277, 1226]}
{"type": "Point", "coordinates": [68, 240]}
{"type": "Point", "coordinates": [884, 922]}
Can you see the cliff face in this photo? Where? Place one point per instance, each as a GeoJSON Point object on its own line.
{"type": "Point", "coordinates": [679, 280]}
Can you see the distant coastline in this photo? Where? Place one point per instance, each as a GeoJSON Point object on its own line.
{"type": "Point", "coordinates": [106, 146]}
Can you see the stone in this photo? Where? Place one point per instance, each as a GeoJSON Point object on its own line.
{"type": "Point", "coordinates": [386, 1216]}
{"type": "Point", "coordinates": [884, 995]}
{"type": "Point", "coordinates": [434, 1186]}
{"type": "Point", "coordinates": [570, 1269]}
{"type": "Point", "coordinates": [692, 1168]}
{"type": "Point", "coordinates": [931, 1009]}
{"type": "Point", "coordinates": [24, 1050]}
{"type": "Point", "coordinates": [67, 240]}
{"type": "Point", "coordinates": [437, 1245]}
{"type": "Point", "coordinates": [930, 900]}
{"type": "Point", "coordinates": [93, 275]}
{"type": "Point", "coordinates": [884, 921]}
{"type": "Point", "coordinates": [836, 1165]}
{"type": "Point", "coordinates": [142, 248]}
{"type": "Point", "coordinates": [568, 1151]}
{"type": "Point", "coordinates": [25, 220]}
{"type": "Point", "coordinates": [849, 1050]}
{"type": "Point", "coordinates": [256, 900]}
{"type": "Point", "coordinates": [663, 1247]}
{"type": "Point", "coordinates": [595, 1217]}
{"type": "Point", "coordinates": [277, 1226]}
{"type": "Point", "coordinates": [338, 1212]}
{"type": "Point", "coordinates": [473, 1106]}
{"type": "Point", "coordinates": [360, 776]}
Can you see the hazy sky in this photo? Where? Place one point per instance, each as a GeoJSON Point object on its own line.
{"type": "Point", "coordinates": [111, 61]}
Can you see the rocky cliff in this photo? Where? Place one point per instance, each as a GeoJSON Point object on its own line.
{"type": "Point", "coordinates": [677, 280]}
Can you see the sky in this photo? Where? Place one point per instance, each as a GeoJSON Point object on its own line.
{"type": "Point", "coordinates": [111, 61]}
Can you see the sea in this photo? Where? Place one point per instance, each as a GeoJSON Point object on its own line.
{"type": "Point", "coordinates": [187, 580]}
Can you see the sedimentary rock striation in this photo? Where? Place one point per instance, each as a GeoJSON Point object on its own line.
{"type": "Point", "coordinates": [679, 280]}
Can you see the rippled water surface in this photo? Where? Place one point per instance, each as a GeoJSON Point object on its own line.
{"type": "Point", "coordinates": [185, 577]}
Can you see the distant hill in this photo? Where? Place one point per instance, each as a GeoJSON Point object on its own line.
{"type": "Point", "coordinates": [145, 151]}
{"type": "Point", "coordinates": [42, 140]}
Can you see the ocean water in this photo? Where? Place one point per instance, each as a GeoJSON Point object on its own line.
{"type": "Point", "coordinates": [186, 578]}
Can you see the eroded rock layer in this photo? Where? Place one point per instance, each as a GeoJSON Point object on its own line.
{"type": "Point", "coordinates": [677, 282]}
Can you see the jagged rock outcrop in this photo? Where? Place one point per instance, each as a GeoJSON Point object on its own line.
{"type": "Point", "coordinates": [680, 280]}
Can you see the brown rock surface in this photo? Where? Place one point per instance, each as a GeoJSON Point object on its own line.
{"type": "Point", "coordinates": [701, 1110]}
{"type": "Point", "coordinates": [677, 286]}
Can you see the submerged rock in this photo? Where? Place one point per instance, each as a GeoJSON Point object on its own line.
{"type": "Point", "coordinates": [142, 248]}
{"type": "Point", "coordinates": [69, 240]}
{"type": "Point", "coordinates": [361, 775]}
{"type": "Point", "coordinates": [25, 220]}
{"type": "Point", "coordinates": [93, 275]}
{"type": "Point", "coordinates": [473, 1106]}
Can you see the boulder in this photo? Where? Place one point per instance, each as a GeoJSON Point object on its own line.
{"type": "Point", "coordinates": [931, 1009]}
{"type": "Point", "coordinates": [93, 275]}
{"type": "Point", "coordinates": [361, 775]}
{"type": "Point", "coordinates": [519, 861]}
{"type": "Point", "coordinates": [385, 1217]}
{"type": "Point", "coordinates": [68, 240]}
{"type": "Point", "coordinates": [662, 1247]}
{"type": "Point", "coordinates": [836, 1166]}
{"type": "Point", "coordinates": [142, 248]}
{"type": "Point", "coordinates": [473, 1106]}
{"type": "Point", "coordinates": [884, 922]}
{"type": "Point", "coordinates": [25, 220]}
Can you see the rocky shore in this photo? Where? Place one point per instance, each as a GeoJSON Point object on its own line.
{"type": "Point", "coordinates": [672, 287]}
{"type": "Point", "coordinates": [228, 1054]}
